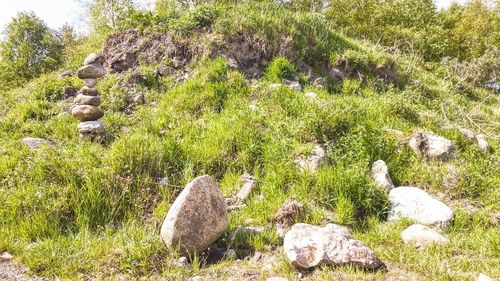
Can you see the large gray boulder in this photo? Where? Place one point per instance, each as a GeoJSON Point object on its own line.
{"type": "Point", "coordinates": [380, 174]}
{"type": "Point", "coordinates": [312, 161]}
{"type": "Point", "coordinates": [94, 70]}
{"type": "Point", "coordinates": [197, 218]}
{"type": "Point", "coordinates": [431, 146]}
{"type": "Point", "coordinates": [422, 236]}
{"type": "Point", "coordinates": [86, 112]}
{"type": "Point", "coordinates": [417, 205]}
{"type": "Point", "coordinates": [307, 246]}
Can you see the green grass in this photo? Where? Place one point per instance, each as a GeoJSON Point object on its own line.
{"type": "Point", "coordinates": [85, 209]}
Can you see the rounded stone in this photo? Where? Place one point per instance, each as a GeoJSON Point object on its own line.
{"type": "Point", "coordinates": [88, 100]}
{"type": "Point", "coordinates": [93, 70]}
{"type": "Point", "coordinates": [197, 218]}
{"type": "Point", "coordinates": [86, 112]}
{"type": "Point", "coordinates": [92, 58]}
{"type": "Point", "coordinates": [90, 82]}
{"type": "Point", "coordinates": [89, 91]}
{"type": "Point", "coordinates": [91, 127]}
{"type": "Point", "coordinates": [421, 236]}
{"type": "Point", "coordinates": [415, 204]}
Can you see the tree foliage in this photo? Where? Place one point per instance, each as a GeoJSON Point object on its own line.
{"type": "Point", "coordinates": [30, 48]}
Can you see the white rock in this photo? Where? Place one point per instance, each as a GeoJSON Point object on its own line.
{"type": "Point", "coordinates": [295, 86]}
{"type": "Point", "coordinates": [421, 236]}
{"type": "Point", "coordinates": [380, 174]}
{"type": "Point", "coordinates": [308, 246]}
{"type": "Point", "coordinates": [468, 134]}
{"type": "Point", "coordinates": [417, 205]}
{"type": "Point", "coordinates": [92, 58]}
{"type": "Point", "coordinates": [313, 161]}
{"type": "Point", "coordinates": [311, 95]}
{"type": "Point", "coordinates": [431, 146]}
{"type": "Point", "coordinates": [91, 127]}
{"type": "Point", "coordinates": [197, 218]}
{"type": "Point", "coordinates": [482, 143]}
{"type": "Point", "coordinates": [483, 277]}
{"type": "Point", "coordinates": [248, 187]}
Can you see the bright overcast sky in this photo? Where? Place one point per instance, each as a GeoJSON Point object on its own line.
{"type": "Point", "coordinates": [58, 12]}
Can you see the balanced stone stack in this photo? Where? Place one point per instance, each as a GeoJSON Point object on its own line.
{"type": "Point", "coordinates": [87, 101]}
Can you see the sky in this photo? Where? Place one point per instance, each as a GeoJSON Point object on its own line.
{"type": "Point", "coordinates": [58, 12]}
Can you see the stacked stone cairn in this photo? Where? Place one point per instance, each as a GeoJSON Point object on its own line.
{"type": "Point", "coordinates": [87, 101]}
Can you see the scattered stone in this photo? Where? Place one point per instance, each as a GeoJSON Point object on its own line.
{"type": "Point", "coordinates": [178, 62]}
{"type": "Point", "coordinates": [294, 85]}
{"type": "Point", "coordinates": [90, 82]}
{"type": "Point", "coordinates": [336, 74]}
{"type": "Point", "coordinates": [319, 82]}
{"type": "Point", "coordinates": [276, 279]}
{"type": "Point", "coordinates": [289, 213]}
{"type": "Point", "coordinates": [196, 278]}
{"type": "Point", "coordinates": [421, 236]}
{"type": "Point", "coordinates": [87, 100]}
{"type": "Point", "coordinates": [248, 187]}
{"type": "Point", "coordinates": [66, 73]}
{"type": "Point", "coordinates": [308, 246]}
{"type": "Point", "coordinates": [90, 91]}
{"type": "Point", "coordinates": [416, 204]}
{"type": "Point", "coordinates": [232, 63]}
{"type": "Point", "coordinates": [313, 161]}
{"type": "Point", "coordinates": [275, 86]}
{"type": "Point", "coordinates": [37, 143]}
{"type": "Point", "coordinates": [182, 262]}
{"type": "Point", "coordinates": [164, 181]}
{"type": "Point", "coordinates": [197, 218]}
{"type": "Point", "coordinates": [92, 58]}
{"type": "Point", "coordinates": [6, 256]}
{"type": "Point", "coordinates": [311, 95]}
{"type": "Point", "coordinates": [93, 70]}
{"type": "Point", "coordinates": [246, 230]}
{"type": "Point", "coordinates": [482, 143]}
{"type": "Point", "coordinates": [483, 277]}
{"type": "Point", "coordinates": [380, 174]}
{"type": "Point", "coordinates": [431, 146]}
{"type": "Point", "coordinates": [86, 112]}
{"type": "Point", "coordinates": [468, 134]}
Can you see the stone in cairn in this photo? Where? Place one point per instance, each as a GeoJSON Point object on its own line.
{"type": "Point", "coordinates": [87, 101]}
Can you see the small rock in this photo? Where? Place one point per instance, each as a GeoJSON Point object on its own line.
{"type": "Point", "coordinates": [308, 246]}
{"type": "Point", "coordinates": [66, 73]}
{"type": "Point", "coordinates": [294, 85]}
{"type": "Point", "coordinates": [91, 127]}
{"type": "Point", "coordinates": [288, 213]}
{"type": "Point", "coordinates": [89, 91]}
{"type": "Point", "coordinates": [244, 230]}
{"type": "Point", "coordinates": [275, 86]}
{"type": "Point", "coordinates": [468, 134]}
{"type": "Point", "coordinates": [197, 218]}
{"type": "Point", "coordinates": [248, 187]}
{"type": "Point", "coordinates": [336, 74]}
{"type": "Point", "coordinates": [484, 146]}
{"type": "Point", "coordinates": [86, 113]}
{"type": "Point", "coordinates": [232, 63]}
{"type": "Point", "coordinates": [483, 277]}
{"type": "Point", "coordinates": [431, 146]}
{"type": "Point", "coordinates": [182, 262]}
{"type": "Point", "coordinates": [380, 174]}
{"type": "Point", "coordinates": [178, 62]}
{"type": "Point", "coordinates": [90, 82]}
{"type": "Point", "coordinates": [417, 205]}
{"type": "Point", "coordinates": [6, 256]}
{"type": "Point", "coordinates": [196, 278]}
{"type": "Point", "coordinates": [311, 95]}
{"type": "Point", "coordinates": [231, 254]}
{"type": "Point", "coordinates": [88, 100]}
{"type": "Point", "coordinates": [276, 279]}
{"type": "Point", "coordinates": [313, 161]}
{"type": "Point", "coordinates": [93, 70]}
{"type": "Point", "coordinates": [37, 143]}
{"type": "Point", "coordinates": [421, 236]}
{"type": "Point", "coordinates": [164, 181]}
{"type": "Point", "coordinates": [92, 58]}
{"type": "Point", "coordinates": [139, 99]}
{"type": "Point", "coordinates": [319, 82]}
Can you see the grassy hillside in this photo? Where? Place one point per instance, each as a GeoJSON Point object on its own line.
{"type": "Point", "coordinates": [88, 210]}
